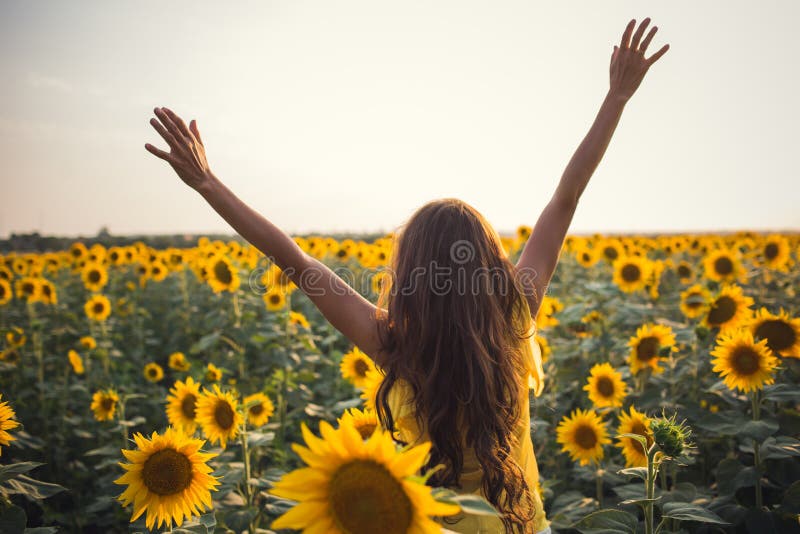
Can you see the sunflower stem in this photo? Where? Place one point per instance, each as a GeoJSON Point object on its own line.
{"type": "Point", "coordinates": [650, 489]}
{"type": "Point", "coordinates": [599, 486]}
{"type": "Point", "coordinates": [246, 456]}
{"type": "Point", "coordinates": [756, 449]}
{"type": "Point", "coordinates": [121, 417]}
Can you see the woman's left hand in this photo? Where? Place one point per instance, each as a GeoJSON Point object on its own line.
{"type": "Point", "coordinates": [188, 154]}
{"type": "Point", "coordinates": [628, 64]}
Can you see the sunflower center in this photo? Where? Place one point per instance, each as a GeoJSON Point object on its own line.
{"type": "Point", "coordinates": [152, 372]}
{"type": "Point", "coordinates": [274, 299]}
{"type": "Point", "coordinates": [611, 253]}
{"type": "Point", "coordinates": [638, 428]}
{"type": "Point", "coordinates": [745, 361]}
{"type": "Point", "coordinates": [722, 311]}
{"type": "Point", "coordinates": [27, 288]}
{"type": "Point", "coordinates": [167, 472]}
{"type": "Point", "coordinates": [631, 273]}
{"type": "Point", "coordinates": [779, 334]}
{"type": "Point", "coordinates": [223, 414]}
{"type": "Point", "coordinates": [360, 367]}
{"type": "Point", "coordinates": [222, 272]}
{"type": "Point", "coordinates": [771, 251]}
{"type": "Point", "coordinates": [47, 291]}
{"type": "Point", "coordinates": [647, 349]}
{"type": "Point", "coordinates": [585, 437]}
{"type": "Point", "coordinates": [723, 265]}
{"type": "Point", "coordinates": [2, 292]}
{"type": "Point", "coordinates": [365, 497]}
{"type": "Point", "coordinates": [107, 403]}
{"type": "Point", "coordinates": [694, 300]}
{"type": "Point", "coordinates": [98, 307]}
{"type": "Point", "coordinates": [684, 271]}
{"type": "Point", "coordinates": [94, 277]}
{"type": "Point", "coordinates": [366, 429]}
{"type": "Point", "coordinates": [605, 386]}
{"type": "Point", "coordinates": [189, 405]}
{"type": "Point", "coordinates": [256, 410]}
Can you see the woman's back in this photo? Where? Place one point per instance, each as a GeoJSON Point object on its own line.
{"type": "Point", "coordinates": [400, 400]}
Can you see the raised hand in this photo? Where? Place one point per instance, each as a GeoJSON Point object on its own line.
{"type": "Point", "coordinates": [628, 64]}
{"type": "Point", "coordinates": [187, 154]}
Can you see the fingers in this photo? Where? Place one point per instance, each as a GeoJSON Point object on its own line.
{"type": "Point", "coordinates": [195, 131]}
{"type": "Point", "coordinates": [178, 122]}
{"type": "Point", "coordinates": [638, 35]}
{"type": "Point", "coordinates": [652, 59]}
{"type": "Point", "coordinates": [171, 126]}
{"type": "Point", "coordinates": [626, 36]}
{"type": "Point", "coordinates": [160, 153]}
{"type": "Point", "coordinates": [646, 42]}
{"type": "Point", "coordinates": [166, 135]}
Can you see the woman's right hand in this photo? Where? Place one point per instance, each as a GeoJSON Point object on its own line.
{"type": "Point", "coordinates": [628, 64]}
{"type": "Point", "coordinates": [187, 154]}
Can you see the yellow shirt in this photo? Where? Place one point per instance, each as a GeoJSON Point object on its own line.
{"type": "Point", "coordinates": [401, 404]}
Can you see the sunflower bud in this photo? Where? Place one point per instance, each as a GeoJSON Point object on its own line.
{"type": "Point", "coordinates": [702, 332]}
{"type": "Point", "coordinates": [671, 437]}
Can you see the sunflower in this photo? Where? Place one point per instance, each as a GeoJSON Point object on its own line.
{"type": "Point", "coordinates": [365, 422]}
{"type": "Point", "coordinates": [355, 366]}
{"type": "Point", "coordinates": [781, 332]}
{"type": "Point", "coordinates": [694, 301]}
{"type": "Point", "coordinates": [76, 362]}
{"type": "Point", "coordinates": [7, 423]}
{"type": "Point", "coordinates": [157, 271]}
{"type": "Point", "coordinates": [742, 362]}
{"type": "Point", "coordinates": [10, 356]}
{"type": "Point", "coordinates": [217, 415]}
{"type": "Point", "coordinates": [275, 278]}
{"type": "Point", "coordinates": [610, 249]}
{"type": "Point", "coordinates": [352, 485]}
{"type": "Point", "coordinates": [634, 423]}
{"type": "Point", "coordinates": [98, 308]}
{"type": "Point", "coordinates": [213, 373]}
{"type": "Point", "coordinates": [582, 435]}
{"type": "Point", "coordinates": [729, 309]}
{"type": "Point", "coordinates": [631, 273]}
{"type": "Point", "coordinates": [94, 277]}
{"type": "Point", "coordinates": [547, 310]}
{"type": "Point", "coordinates": [647, 346]}
{"type": "Point", "coordinates": [775, 253]}
{"type": "Point", "coordinates": [275, 299]}
{"type": "Point", "coordinates": [28, 288]}
{"type": "Point", "coordinates": [724, 265]}
{"type": "Point", "coordinates": [544, 347]}
{"type": "Point", "coordinates": [5, 292]}
{"type": "Point", "coordinates": [587, 256]}
{"type": "Point", "coordinates": [153, 372]}
{"type": "Point", "coordinates": [298, 319]}
{"type": "Point", "coordinates": [182, 405]}
{"type": "Point", "coordinates": [372, 382]}
{"type": "Point", "coordinates": [104, 404]}
{"type": "Point", "coordinates": [168, 477]}
{"type": "Point", "coordinates": [605, 386]}
{"type": "Point", "coordinates": [259, 409]}
{"type": "Point", "coordinates": [78, 251]}
{"type": "Point", "coordinates": [15, 337]}
{"type": "Point", "coordinates": [178, 361]}
{"type": "Point", "coordinates": [222, 275]}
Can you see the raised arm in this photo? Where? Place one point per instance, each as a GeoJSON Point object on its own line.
{"type": "Point", "coordinates": [540, 255]}
{"type": "Point", "coordinates": [347, 311]}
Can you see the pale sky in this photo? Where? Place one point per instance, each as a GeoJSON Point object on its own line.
{"type": "Point", "coordinates": [332, 116]}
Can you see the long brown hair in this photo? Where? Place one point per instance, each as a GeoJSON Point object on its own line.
{"type": "Point", "coordinates": [449, 332]}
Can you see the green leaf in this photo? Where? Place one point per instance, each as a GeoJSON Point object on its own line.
{"type": "Point", "coordinates": [33, 489]}
{"type": "Point", "coordinates": [41, 530]}
{"type": "Point", "coordinates": [10, 471]}
{"type": "Point", "coordinates": [686, 511]}
{"type": "Point", "coordinates": [759, 430]}
{"type": "Point", "coordinates": [474, 504]}
{"type": "Point", "coordinates": [12, 519]}
{"type": "Point", "coordinates": [205, 343]}
{"type": "Point", "coordinates": [791, 499]}
{"type": "Point", "coordinates": [781, 392]}
{"type": "Point", "coordinates": [607, 522]}
{"type": "Point", "coordinates": [640, 472]}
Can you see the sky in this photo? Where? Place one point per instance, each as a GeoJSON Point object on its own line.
{"type": "Point", "coordinates": [346, 116]}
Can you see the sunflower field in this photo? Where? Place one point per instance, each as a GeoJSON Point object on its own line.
{"type": "Point", "coordinates": [198, 390]}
